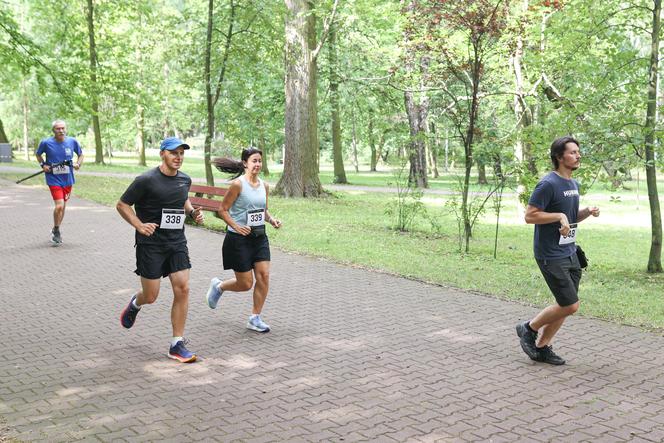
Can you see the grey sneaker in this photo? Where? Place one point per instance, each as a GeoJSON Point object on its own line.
{"type": "Point", "coordinates": [256, 324]}
{"type": "Point", "coordinates": [56, 238]}
{"type": "Point", "coordinates": [527, 338]}
{"type": "Point", "coordinates": [214, 293]}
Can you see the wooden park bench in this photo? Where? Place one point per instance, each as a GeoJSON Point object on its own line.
{"type": "Point", "coordinates": [208, 203]}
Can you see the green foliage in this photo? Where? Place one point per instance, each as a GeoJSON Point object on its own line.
{"type": "Point", "coordinates": [408, 201]}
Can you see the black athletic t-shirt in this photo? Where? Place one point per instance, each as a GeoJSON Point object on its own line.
{"type": "Point", "coordinates": [554, 194]}
{"type": "Point", "coordinates": [150, 193]}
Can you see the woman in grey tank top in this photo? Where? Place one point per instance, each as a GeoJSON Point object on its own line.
{"type": "Point", "coordinates": [246, 249]}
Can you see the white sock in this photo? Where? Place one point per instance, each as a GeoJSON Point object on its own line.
{"type": "Point", "coordinates": [133, 303]}
{"type": "Point", "coordinates": [175, 340]}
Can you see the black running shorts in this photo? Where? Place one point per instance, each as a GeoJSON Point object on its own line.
{"type": "Point", "coordinates": [563, 277]}
{"type": "Point", "coordinates": [155, 261]}
{"type": "Point", "coordinates": [239, 253]}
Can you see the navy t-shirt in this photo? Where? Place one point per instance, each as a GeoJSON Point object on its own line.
{"type": "Point", "coordinates": [150, 193]}
{"type": "Point", "coordinates": [554, 194]}
{"type": "Point", "coordinates": [57, 152]}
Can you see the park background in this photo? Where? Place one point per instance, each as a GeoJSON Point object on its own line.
{"type": "Point", "coordinates": [398, 136]}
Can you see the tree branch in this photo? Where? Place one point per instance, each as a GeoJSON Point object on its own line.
{"type": "Point", "coordinates": [326, 30]}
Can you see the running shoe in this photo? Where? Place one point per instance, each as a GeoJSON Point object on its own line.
{"type": "Point", "coordinates": [527, 339]}
{"type": "Point", "coordinates": [56, 238]}
{"type": "Point", "coordinates": [256, 324]}
{"type": "Point", "coordinates": [546, 355]}
{"type": "Point", "coordinates": [180, 353]}
{"type": "Point", "coordinates": [128, 316]}
{"type": "Point", "coordinates": [214, 293]}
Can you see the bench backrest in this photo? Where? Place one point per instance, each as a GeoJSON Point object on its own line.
{"type": "Point", "coordinates": [209, 203]}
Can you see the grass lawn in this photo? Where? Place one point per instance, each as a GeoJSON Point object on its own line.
{"type": "Point", "coordinates": [352, 228]}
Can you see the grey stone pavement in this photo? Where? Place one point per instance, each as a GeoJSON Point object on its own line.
{"type": "Point", "coordinates": [354, 355]}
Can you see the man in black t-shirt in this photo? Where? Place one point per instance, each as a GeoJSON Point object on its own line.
{"type": "Point", "coordinates": [554, 209]}
{"type": "Point", "coordinates": [160, 198]}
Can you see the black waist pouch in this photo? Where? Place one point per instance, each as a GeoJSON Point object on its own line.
{"type": "Point", "coordinates": [583, 260]}
{"type": "Point", "coordinates": [257, 231]}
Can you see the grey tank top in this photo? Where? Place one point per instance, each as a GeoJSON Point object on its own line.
{"type": "Point", "coordinates": [250, 198]}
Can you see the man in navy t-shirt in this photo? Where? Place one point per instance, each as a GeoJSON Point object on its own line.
{"type": "Point", "coordinates": [59, 170]}
{"type": "Point", "coordinates": [554, 210]}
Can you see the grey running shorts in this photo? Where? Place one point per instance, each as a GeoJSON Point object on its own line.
{"type": "Point", "coordinates": [562, 276]}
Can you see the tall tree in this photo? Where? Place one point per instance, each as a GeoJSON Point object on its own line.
{"type": "Point", "coordinates": [211, 97]}
{"type": "Point", "coordinates": [337, 154]}
{"type": "Point", "coordinates": [460, 36]}
{"type": "Point", "coordinates": [416, 102]}
{"type": "Point", "coordinates": [94, 88]}
{"type": "Point", "coordinates": [655, 257]}
{"type": "Point", "coordinates": [300, 176]}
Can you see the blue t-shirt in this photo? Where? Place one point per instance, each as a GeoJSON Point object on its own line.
{"type": "Point", "coordinates": [58, 152]}
{"type": "Point", "coordinates": [554, 194]}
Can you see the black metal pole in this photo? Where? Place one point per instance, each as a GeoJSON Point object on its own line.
{"type": "Point", "coordinates": [30, 176]}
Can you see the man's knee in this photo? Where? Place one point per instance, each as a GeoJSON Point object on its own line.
{"type": "Point", "coordinates": [263, 277]}
{"type": "Point", "coordinates": [149, 297]}
{"type": "Point", "coordinates": [571, 309]}
{"type": "Point", "coordinates": [181, 289]}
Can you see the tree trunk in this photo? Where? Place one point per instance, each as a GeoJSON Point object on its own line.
{"type": "Point", "coordinates": [433, 150]}
{"type": "Point", "coordinates": [417, 109]}
{"type": "Point", "coordinates": [140, 110]}
{"type": "Point", "coordinates": [498, 167]}
{"type": "Point", "coordinates": [26, 113]}
{"type": "Point", "coordinates": [447, 151]}
{"type": "Point", "coordinates": [212, 96]}
{"type": "Point", "coordinates": [337, 154]}
{"type": "Point", "coordinates": [613, 173]}
{"type": "Point", "coordinates": [468, 145]}
{"type": "Point", "coordinates": [521, 114]}
{"type": "Point", "coordinates": [140, 135]}
{"type": "Point", "coordinates": [417, 115]}
{"type": "Point", "coordinates": [94, 89]}
{"type": "Point", "coordinates": [300, 176]}
{"type": "Point", "coordinates": [481, 173]}
{"type": "Point", "coordinates": [3, 136]}
{"type": "Point", "coordinates": [655, 257]}
{"type": "Point", "coordinates": [355, 162]}
{"type": "Point", "coordinates": [372, 143]}
{"type": "Point", "coordinates": [209, 133]}
{"type": "Point", "coordinates": [264, 148]}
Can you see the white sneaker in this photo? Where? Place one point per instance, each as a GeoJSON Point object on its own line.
{"type": "Point", "coordinates": [214, 293]}
{"type": "Point", "coordinates": [256, 324]}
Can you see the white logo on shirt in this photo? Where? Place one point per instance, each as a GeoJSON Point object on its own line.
{"type": "Point", "coordinates": [570, 193]}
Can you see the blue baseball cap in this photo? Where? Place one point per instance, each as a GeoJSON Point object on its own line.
{"type": "Point", "coordinates": [172, 143]}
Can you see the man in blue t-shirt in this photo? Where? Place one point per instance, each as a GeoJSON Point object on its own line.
{"type": "Point", "coordinates": [59, 170]}
{"type": "Point", "coordinates": [554, 210]}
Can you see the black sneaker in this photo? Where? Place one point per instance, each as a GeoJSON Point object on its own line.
{"type": "Point", "coordinates": [527, 339]}
{"type": "Point", "coordinates": [56, 238]}
{"type": "Point", "coordinates": [546, 355]}
{"type": "Point", "coordinates": [128, 316]}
